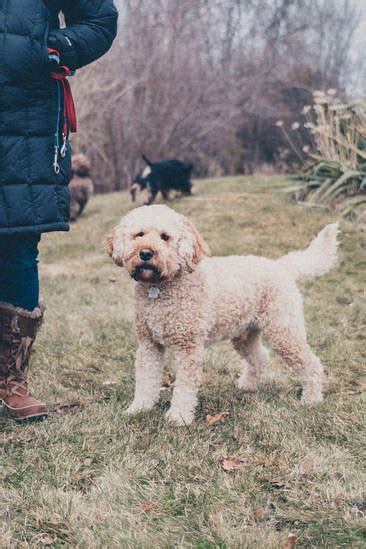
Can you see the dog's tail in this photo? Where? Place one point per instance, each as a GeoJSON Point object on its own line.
{"type": "Point", "coordinates": [145, 159]}
{"type": "Point", "coordinates": [317, 259]}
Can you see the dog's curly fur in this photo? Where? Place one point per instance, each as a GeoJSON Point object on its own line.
{"type": "Point", "coordinates": [81, 186]}
{"type": "Point", "coordinates": [186, 301]}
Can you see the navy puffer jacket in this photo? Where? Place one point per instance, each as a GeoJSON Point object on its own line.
{"type": "Point", "coordinates": [33, 197]}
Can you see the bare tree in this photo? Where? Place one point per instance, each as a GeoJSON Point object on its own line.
{"type": "Point", "coordinates": [189, 79]}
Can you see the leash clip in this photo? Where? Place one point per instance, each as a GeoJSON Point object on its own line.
{"type": "Point", "coordinates": [56, 165]}
{"type": "Point", "coordinates": [64, 146]}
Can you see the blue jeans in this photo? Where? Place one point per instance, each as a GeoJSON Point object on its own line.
{"type": "Point", "coordinates": [19, 283]}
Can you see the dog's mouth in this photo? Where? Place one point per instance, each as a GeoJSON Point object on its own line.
{"type": "Point", "coordinates": [146, 272]}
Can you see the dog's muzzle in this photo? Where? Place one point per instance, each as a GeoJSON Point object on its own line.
{"type": "Point", "coordinates": [146, 272]}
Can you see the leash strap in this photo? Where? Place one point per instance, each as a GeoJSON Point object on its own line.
{"type": "Point", "coordinates": [70, 122]}
{"type": "Point", "coordinates": [60, 73]}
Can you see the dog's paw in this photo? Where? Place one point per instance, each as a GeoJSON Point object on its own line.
{"type": "Point", "coordinates": [311, 398]}
{"type": "Point", "coordinates": [265, 356]}
{"type": "Point", "coordinates": [137, 408]}
{"type": "Point", "coordinates": [312, 391]}
{"type": "Point", "coordinates": [246, 384]}
{"type": "Point", "coordinates": [177, 417]}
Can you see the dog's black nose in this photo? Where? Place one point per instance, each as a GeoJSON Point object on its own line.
{"type": "Point", "coordinates": [146, 255]}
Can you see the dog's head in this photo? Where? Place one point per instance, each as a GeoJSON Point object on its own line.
{"type": "Point", "coordinates": [80, 165]}
{"type": "Point", "coordinates": [142, 179]}
{"type": "Point", "coordinates": [140, 182]}
{"type": "Point", "coordinates": [155, 243]}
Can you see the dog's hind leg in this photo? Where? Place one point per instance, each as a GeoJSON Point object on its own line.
{"type": "Point", "coordinates": [255, 357]}
{"type": "Point", "coordinates": [148, 372]}
{"type": "Point", "coordinates": [289, 341]}
{"type": "Point", "coordinates": [188, 377]}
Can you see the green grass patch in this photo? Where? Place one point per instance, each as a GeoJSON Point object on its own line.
{"type": "Point", "coordinates": [94, 478]}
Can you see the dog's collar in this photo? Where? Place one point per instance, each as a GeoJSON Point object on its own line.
{"type": "Point", "coordinates": [154, 292]}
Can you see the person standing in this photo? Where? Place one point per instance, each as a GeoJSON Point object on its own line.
{"type": "Point", "coordinates": [36, 117]}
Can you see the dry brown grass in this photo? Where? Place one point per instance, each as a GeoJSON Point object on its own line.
{"type": "Point", "coordinates": [96, 479]}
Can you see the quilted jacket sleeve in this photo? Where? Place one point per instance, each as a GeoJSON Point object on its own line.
{"type": "Point", "coordinates": [91, 26]}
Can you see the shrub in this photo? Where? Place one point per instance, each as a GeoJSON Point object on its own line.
{"type": "Point", "coordinates": [336, 166]}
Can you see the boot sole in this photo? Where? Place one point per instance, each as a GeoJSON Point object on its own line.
{"type": "Point", "coordinates": [26, 419]}
{"type": "Point", "coordinates": [30, 419]}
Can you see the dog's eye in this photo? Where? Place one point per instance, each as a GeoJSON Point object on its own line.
{"type": "Point", "coordinates": [165, 237]}
{"type": "Point", "coordinates": [139, 235]}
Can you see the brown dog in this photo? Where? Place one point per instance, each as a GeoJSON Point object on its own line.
{"type": "Point", "coordinates": [81, 186]}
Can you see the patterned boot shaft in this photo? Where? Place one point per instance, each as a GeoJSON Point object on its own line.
{"type": "Point", "coordinates": [18, 330]}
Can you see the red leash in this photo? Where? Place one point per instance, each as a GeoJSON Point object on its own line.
{"type": "Point", "coordinates": [65, 100]}
{"type": "Point", "coordinates": [61, 74]}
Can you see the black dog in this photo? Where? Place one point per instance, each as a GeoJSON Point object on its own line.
{"type": "Point", "coordinates": [162, 176]}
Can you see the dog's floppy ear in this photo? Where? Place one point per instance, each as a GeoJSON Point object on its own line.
{"type": "Point", "coordinates": [192, 247]}
{"type": "Point", "coordinates": [145, 158]}
{"type": "Point", "coordinates": [113, 249]}
{"type": "Point", "coordinates": [108, 244]}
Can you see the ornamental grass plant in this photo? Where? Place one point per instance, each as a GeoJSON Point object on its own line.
{"type": "Point", "coordinates": [334, 171]}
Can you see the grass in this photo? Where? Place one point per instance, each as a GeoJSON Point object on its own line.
{"type": "Point", "coordinates": [89, 477]}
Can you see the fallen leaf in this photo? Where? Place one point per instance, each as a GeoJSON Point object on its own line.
{"type": "Point", "coordinates": [360, 290]}
{"type": "Point", "coordinates": [229, 465]}
{"type": "Point", "coordinates": [146, 507]}
{"type": "Point", "coordinates": [73, 407]}
{"type": "Point", "coordinates": [220, 417]}
{"type": "Point", "coordinates": [168, 380]}
{"type": "Point", "coordinates": [259, 513]}
{"type": "Point", "coordinates": [290, 542]}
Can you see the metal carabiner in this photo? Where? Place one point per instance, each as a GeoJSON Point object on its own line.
{"type": "Point", "coordinates": [64, 146]}
{"type": "Point", "coordinates": [56, 165]}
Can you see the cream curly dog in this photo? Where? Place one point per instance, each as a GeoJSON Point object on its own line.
{"type": "Point", "coordinates": [186, 301]}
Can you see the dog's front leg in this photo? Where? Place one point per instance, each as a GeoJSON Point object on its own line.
{"type": "Point", "coordinates": [188, 377]}
{"type": "Point", "coordinates": [151, 194]}
{"type": "Point", "coordinates": [148, 372]}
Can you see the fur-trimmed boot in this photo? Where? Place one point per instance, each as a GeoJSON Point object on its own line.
{"type": "Point", "coordinates": [18, 330]}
